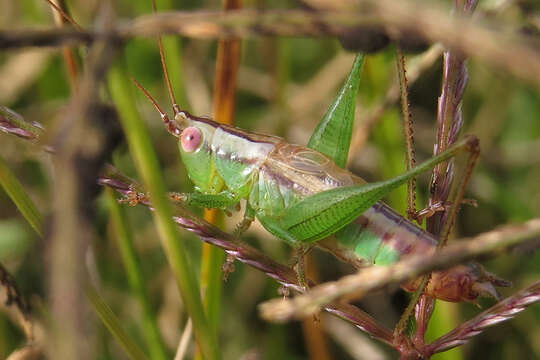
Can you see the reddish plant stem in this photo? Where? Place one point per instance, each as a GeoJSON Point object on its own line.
{"type": "Point", "coordinates": [227, 62]}
{"type": "Point", "coordinates": [250, 256]}
{"type": "Point", "coordinates": [409, 133]}
{"type": "Point", "coordinates": [61, 18]}
{"type": "Point", "coordinates": [450, 122]}
{"type": "Point", "coordinates": [502, 311]}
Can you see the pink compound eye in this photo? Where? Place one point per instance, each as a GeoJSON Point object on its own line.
{"type": "Point", "coordinates": [190, 139]}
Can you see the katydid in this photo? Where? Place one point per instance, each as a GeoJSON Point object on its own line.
{"type": "Point", "coordinates": [304, 196]}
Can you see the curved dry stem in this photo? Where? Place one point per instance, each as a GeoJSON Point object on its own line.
{"type": "Point", "coordinates": [249, 255]}
{"type": "Point", "coordinates": [415, 67]}
{"type": "Point", "coordinates": [376, 277]}
{"type": "Point", "coordinates": [77, 164]}
{"type": "Point", "coordinates": [502, 311]}
{"type": "Point", "coordinates": [512, 52]}
{"type": "Point", "coordinates": [443, 187]}
{"type": "Point", "coordinates": [409, 131]}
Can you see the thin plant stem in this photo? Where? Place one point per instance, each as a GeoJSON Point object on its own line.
{"type": "Point", "coordinates": [13, 123]}
{"type": "Point", "coordinates": [409, 133]}
{"type": "Point", "coordinates": [443, 188]}
{"type": "Point", "coordinates": [373, 278]}
{"type": "Point", "coordinates": [416, 66]}
{"type": "Point", "coordinates": [227, 63]}
{"type": "Point", "coordinates": [113, 324]}
{"type": "Point", "coordinates": [511, 52]}
{"type": "Point", "coordinates": [147, 163]}
{"type": "Point", "coordinates": [456, 198]}
{"type": "Point", "coordinates": [184, 341]}
{"type": "Point", "coordinates": [500, 312]}
{"type": "Point", "coordinates": [124, 240]}
{"type": "Point", "coordinates": [248, 255]}
{"type": "Point", "coordinates": [61, 17]}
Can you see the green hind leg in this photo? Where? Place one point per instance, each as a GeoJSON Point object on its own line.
{"type": "Point", "coordinates": [322, 214]}
{"type": "Point", "coordinates": [222, 200]}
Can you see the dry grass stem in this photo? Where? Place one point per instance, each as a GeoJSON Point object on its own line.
{"type": "Point", "coordinates": [356, 344]}
{"type": "Point", "coordinates": [416, 66]}
{"type": "Point", "coordinates": [443, 188]}
{"type": "Point", "coordinates": [375, 277]}
{"type": "Point", "coordinates": [71, 230]}
{"type": "Point", "coordinates": [184, 341]}
{"type": "Point", "coordinates": [512, 52]}
{"type": "Point", "coordinates": [249, 255]}
{"type": "Point", "coordinates": [503, 311]}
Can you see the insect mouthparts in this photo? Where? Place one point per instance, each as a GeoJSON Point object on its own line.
{"type": "Point", "coordinates": [181, 118]}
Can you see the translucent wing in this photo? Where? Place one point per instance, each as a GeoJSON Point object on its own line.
{"type": "Point", "coordinates": [307, 169]}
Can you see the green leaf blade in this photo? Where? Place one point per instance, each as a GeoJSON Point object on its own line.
{"type": "Point", "coordinates": [112, 323]}
{"type": "Point", "coordinates": [132, 264]}
{"type": "Point", "coordinates": [18, 195]}
{"type": "Point", "coordinates": [148, 165]}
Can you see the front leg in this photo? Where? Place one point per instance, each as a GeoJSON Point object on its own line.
{"type": "Point", "coordinates": [222, 201]}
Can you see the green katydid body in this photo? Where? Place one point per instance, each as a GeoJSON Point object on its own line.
{"type": "Point", "coordinates": [227, 165]}
{"type": "Point", "coordinates": [304, 195]}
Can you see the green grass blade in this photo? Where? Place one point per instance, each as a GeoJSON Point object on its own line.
{"type": "Point", "coordinates": [113, 324]}
{"type": "Point", "coordinates": [16, 192]}
{"type": "Point", "coordinates": [124, 240]}
{"type": "Point", "coordinates": [333, 134]}
{"type": "Point", "coordinates": [147, 163]}
{"type": "Point", "coordinates": [214, 289]}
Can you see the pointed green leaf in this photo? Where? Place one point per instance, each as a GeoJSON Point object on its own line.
{"type": "Point", "coordinates": [332, 136]}
{"type": "Point", "coordinates": [132, 264]}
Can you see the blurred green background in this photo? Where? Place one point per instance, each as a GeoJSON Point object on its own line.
{"type": "Point", "coordinates": [284, 87]}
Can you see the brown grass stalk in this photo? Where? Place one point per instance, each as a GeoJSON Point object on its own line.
{"type": "Point", "coordinates": [504, 310]}
{"type": "Point", "coordinates": [249, 256]}
{"type": "Point", "coordinates": [374, 278]}
{"type": "Point", "coordinates": [76, 167]}
{"type": "Point", "coordinates": [512, 52]}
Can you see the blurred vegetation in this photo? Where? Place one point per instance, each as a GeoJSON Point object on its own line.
{"type": "Point", "coordinates": [284, 88]}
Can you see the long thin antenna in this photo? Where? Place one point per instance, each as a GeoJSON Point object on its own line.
{"type": "Point", "coordinates": [64, 15]}
{"type": "Point", "coordinates": [176, 108]}
{"type": "Point", "coordinates": [171, 126]}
